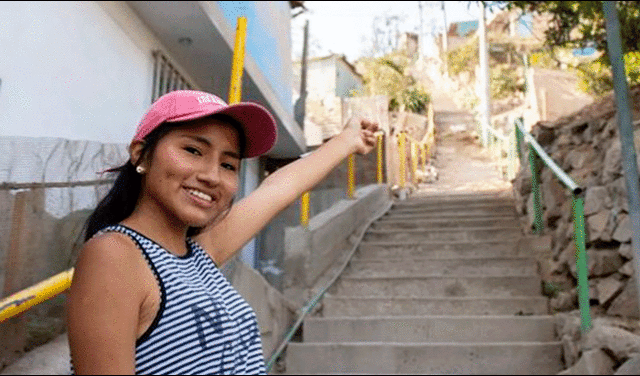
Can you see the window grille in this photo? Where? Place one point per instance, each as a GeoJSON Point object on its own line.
{"type": "Point", "coordinates": [166, 77]}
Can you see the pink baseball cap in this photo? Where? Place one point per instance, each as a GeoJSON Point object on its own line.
{"type": "Point", "coordinates": [259, 127]}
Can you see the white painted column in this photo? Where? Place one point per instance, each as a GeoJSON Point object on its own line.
{"type": "Point", "coordinates": [250, 179]}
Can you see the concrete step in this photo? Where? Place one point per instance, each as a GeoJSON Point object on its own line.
{"type": "Point", "coordinates": [430, 329]}
{"type": "Point", "coordinates": [357, 306]}
{"type": "Point", "coordinates": [396, 358]}
{"type": "Point", "coordinates": [459, 200]}
{"type": "Point", "coordinates": [434, 223]}
{"type": "Point", "coordinates": [417, 216]}
{"type": "Point", "coordinates": [438, 249]}
{"type": "Point", "coordinates": [437, 285]}
{"type": "Point", "coordinates": [451, 266]}
{"type": "Point", "coordinates": [471, 209]}
{"type": "Point", "coordinates": [444, 234]}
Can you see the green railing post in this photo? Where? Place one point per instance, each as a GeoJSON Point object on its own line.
{"type": "Point", "coordinates": [519, 139]}
{"type": "Point", "coordinates": [581, 263]}
{"type": "Point", "coordinates": [535, 190]}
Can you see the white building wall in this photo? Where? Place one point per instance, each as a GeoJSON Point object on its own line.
{"type": "Point", "coordinates": [321, 79]}
{"type": "Point", "coordinates": [76, 79]}
{"type": "Point", "coordinates": [74, 70]}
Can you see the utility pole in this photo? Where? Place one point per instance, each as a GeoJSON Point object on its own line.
{"type": "Point", "coordinates": [629, 161]}
{"type": "Point", "coordinates": [421, 36]}
{"type": "Point", "coordinates": [445, 42]}
{"type": "Point", "coordinates": [485, 120]}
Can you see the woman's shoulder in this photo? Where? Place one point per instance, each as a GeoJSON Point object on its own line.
{"type": "Point", "coordinates": [111, 264]}
{"type": "Point", "coordinates": [111, 248]}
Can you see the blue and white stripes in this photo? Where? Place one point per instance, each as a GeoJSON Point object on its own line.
{"type": "Point", "coordinates": [203, 326]}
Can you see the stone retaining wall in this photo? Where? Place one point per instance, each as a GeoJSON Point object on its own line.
{"type": "Point", "coordinates": [586, 145]}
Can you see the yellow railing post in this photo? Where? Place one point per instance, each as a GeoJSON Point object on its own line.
{"type": "Point", "coordinates": [351, 177]}
{"type": "Point", "coordinates": [379, 175]}
{"type": "Point", "coordinates": [414, 162]}
{"type": "Point", "coordinates": [237, 67]}
{"type": "Point", "coordinates": [403, 159]}
{"type": "Point", "coordinates": [304, 209]}
{"type": "Point", "coordinates": [423, 156]}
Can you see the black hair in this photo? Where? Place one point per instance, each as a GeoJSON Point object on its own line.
{"type": "Point", "coordinates": [121, 199]}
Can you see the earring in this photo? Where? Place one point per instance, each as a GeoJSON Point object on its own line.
{"type": "Point", "coordinates": [140, 170]}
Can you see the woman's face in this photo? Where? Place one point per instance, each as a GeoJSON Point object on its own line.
{"type": "Point", "coordinates": [192, 175]}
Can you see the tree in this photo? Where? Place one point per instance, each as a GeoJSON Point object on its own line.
{"type": "Point", "coordinates": [580, 24]}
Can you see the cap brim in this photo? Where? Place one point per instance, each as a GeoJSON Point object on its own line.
{"type": "Point", "coordinates": [259, 126]}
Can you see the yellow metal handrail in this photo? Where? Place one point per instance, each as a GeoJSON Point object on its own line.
{"type": "Point", "coordinates": [27, 298]}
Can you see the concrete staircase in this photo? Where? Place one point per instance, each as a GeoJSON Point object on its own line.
{"type": "Point", "coordinates": [438, 286]}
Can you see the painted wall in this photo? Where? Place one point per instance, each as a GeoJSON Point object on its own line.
{"type": "Point", "coordinates": [76, 79]}
{"type": "Point", "coordinates": [346, 81]}
{"type": "Point", "coordinates": [268, 40]}
{"type": "Point", "coordinates": [321, 79]}
{"type": "Point", "coordinates": [68, 70]}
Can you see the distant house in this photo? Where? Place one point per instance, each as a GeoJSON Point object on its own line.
{"type": "Point", "coordinates": [409, 43]}
{"type": "Point", "coordinates": [329, 79]}
{"type": "Point", "coordinates": [523, 30]}
{"type": "Point", "coordinates": [330, 75]}
{"type": "Point", "coordinates": [459, 32]}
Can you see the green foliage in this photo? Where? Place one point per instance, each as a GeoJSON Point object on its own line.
{"type": "Point", "coordinates": [595, 77]}
{"type": "Point", "coordinates": [550, 289]}
{"type": "Point", "coordinates": [386, 76]}
{"type": "Point", "coordinates": [506, 81]}
{"type": "Point", "coordinates": [415, 100]}
{"type": "Point", "coordinates": [464, 58]}
{"type": "Point", "coordinates": [543, 59]}
{"type": "Point", "coordinates": [577, 24]}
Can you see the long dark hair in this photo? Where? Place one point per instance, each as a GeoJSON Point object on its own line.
{"type": "Point", "coordinates": [121, 199]}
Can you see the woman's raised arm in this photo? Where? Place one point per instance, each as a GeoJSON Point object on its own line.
{"type": "Point", "coordinates": [280, 189]}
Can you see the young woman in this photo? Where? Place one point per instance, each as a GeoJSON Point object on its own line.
{"type": "Point", "coordinates": [147, 295]}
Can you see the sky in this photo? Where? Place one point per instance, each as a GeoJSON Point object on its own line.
{"type": "Point", "coordinates": [345, 27]}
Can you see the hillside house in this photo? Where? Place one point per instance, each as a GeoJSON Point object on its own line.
{"type": "Point", "coordinates": [329, 79]}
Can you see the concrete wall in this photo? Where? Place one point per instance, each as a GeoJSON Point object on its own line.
{"type": "Point", "coordinates": [310, 252]}
{"type": "Point", "coordinates": [323, 196]}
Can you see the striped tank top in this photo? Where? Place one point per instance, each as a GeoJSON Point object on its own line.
{"type": "Point", "coordinates": [203, 325]}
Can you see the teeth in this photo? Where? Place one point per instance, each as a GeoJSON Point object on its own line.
{"type": "Point", "coordinates": [201, 195]}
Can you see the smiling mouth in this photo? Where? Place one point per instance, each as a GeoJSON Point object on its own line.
{"type": "Point", "coordinates": [200, 195]}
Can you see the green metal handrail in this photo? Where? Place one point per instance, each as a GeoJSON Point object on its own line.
{"type": "Point", "coordinates": [506, 142]}
{"type": "Point", "coordinates": [536, 152]}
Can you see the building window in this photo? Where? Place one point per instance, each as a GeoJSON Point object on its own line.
{"type": "Point", "coordinates": [166, 77]}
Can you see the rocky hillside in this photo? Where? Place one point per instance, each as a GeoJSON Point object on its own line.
{"type": "Point", "coordinates": [586, 145]}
